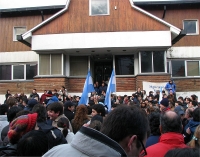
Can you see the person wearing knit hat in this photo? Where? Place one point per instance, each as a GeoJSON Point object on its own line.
{"type": "Point", "coordinates": [164, 105]}
{"type": "Point", "coordinates": [21, 126]}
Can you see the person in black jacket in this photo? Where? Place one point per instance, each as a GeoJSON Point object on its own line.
{"type": "Point", "coordinates": [69, 110]}
{"type": "Point", "coordinates": [54, 135]}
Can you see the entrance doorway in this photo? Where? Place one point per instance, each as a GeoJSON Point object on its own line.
{"type": "Point", "coordinates": [103, 66]}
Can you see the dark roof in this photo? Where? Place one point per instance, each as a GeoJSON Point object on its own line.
{"type": "Point", "coordinates": [32, 8]}
{"type": "Point", "coordinates": [168, 2]}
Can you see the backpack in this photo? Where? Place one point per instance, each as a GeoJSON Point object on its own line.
{"type": "Point", "coordinates": [9, 150]}
{"type": "Point", "coordinates": [54, 135]}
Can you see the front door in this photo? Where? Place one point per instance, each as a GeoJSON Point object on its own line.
{"type": "Point", "coordinates": [102, 70]}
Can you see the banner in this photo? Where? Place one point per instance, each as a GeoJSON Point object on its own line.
{"type": "Point", "coordinates": [154, 86]}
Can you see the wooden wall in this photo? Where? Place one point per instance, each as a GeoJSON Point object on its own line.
{"type": "Point", "coordinates": [175, 15]}
{"type": "Point", "coordinates": [77, 19]}
{"type": "Point", "coordinates": [6, 32]}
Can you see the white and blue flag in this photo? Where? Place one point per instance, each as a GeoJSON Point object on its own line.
{"type": "Point", "coordinates": [110, 89]}
{"type": "Point", "coordinates": [160, 96]}
{"type": "Point", "coordinates": [88, 88]}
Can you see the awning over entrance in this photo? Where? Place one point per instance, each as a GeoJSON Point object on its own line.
{"type": "Point", "coordinates": [140, 39]}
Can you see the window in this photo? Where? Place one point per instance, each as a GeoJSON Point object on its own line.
{"type": "Point", "coordinates": [18, 31]}
{"type": "Point", "coordinates": [168, 67]}
{"type": "Point", "coordinates": [78, 65]}
{"type": "Point", "coordinates": [18, 72]}
{"type": "Point", "coordinates": [193, 68]}
{"type": "Point", "coordinates": [178, 68]}
{"type": "Point", "coordinates": [124, 65]}
{"type": "Point", "coordinates": [5, 72]}
{"type": "Point", "coordinates": [152, 61]}
{"type": "Point", "coordinates": [31, 71]}
{"type": "Point", "coordinates": [184, 68]}
{"type": "Point", "coordinates": [50, 64]}
{"type": "Point", "coordinates": [99, 7]}
{"type": "Point", "coordinates": [191, 27]}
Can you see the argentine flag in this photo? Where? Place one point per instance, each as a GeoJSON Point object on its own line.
{"type": "Point", "coordinates": [160, 96]}
{"type": "Point", "coordinates": [111, 88]}
{"type": "Point", "coordinates": [88, 88]}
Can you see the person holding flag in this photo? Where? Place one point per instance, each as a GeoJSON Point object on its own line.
{"type": "Point", "coordinates": [88, 88]}
{"type": "Point", "coordinates": [110, 89]}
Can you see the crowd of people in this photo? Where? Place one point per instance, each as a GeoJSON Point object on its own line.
{"type": "Point", "coordinates": [55, 124]}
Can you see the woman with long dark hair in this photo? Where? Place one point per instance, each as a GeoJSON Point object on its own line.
{"type": "Point", "coordinates": [80, 118]}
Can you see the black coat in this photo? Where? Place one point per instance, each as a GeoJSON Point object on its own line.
{"type": "Point", "coordinates": [69, 114]}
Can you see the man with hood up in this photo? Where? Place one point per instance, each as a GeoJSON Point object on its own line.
{"type": "Point", "coordinates": [171, 86]}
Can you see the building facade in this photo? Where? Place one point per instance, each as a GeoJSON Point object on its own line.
{"type": "Point", "coordinates": [49, 47]}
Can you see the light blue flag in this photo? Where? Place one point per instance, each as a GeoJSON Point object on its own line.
{"type": "Point", "coordinates": [111, 88]}
{"type": "Point", "coordinates": [160, 96]}
{"type": "Point", "coordinates": [88, 88]}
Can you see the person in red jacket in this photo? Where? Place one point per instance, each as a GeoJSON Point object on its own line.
{"type": "Point", "coordinates": [171, 137]}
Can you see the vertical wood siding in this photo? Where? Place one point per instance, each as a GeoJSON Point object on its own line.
{"type": "Point", "coordinates": [77, 20]}
{"type": "Point", "coordinates": [175, 15]}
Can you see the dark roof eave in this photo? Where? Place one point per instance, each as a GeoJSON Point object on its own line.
{"type": "Point", "coordinates": [20, 39]}
{"type": "Point", "coordinates": [32, 8]}
{"type": "Point", "coordinates": [165, 2]}
{"type": "Point", "coordinates": [180, 36]}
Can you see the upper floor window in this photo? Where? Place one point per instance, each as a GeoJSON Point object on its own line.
{"type": "Point", "coordinates": [124, 65]}
{"type": "Point", "coordinates": [99, 7]}
{"type": "Point", "coordinates": [18, 31]}
{"type": "Point", "coordinates": [191, 27]}
{"type": "Point", "coordinates": [50, 64]}
{"type": "Point", "coordinates": [18, 72]}
{"type": "Point", "coordinates": [152, 62]}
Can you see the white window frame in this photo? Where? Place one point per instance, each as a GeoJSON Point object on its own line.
{"type": "Point", "coordinates": [186, 61]}
{"type": "Point", "coordinates": [13, 71]}
{"type": "Point", "coordinates": [90, 9]}
{"type": "Point", "coordinates": [140, 66]}
{"type": "Point", "coordinates": [14, 32]}
{"type": "Point", "coordinates": [197, 26]}
{"type": "Point", "coordinates": [62, 66]}
{"type": "Point", "coordinates": [185, 64]}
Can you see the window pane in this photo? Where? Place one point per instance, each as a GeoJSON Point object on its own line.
{"type": "Point", "coordinates": [18, 72]}
{"type": "Point", "coordinates": [99, 7]}
{"type": "Point", "coordinates": [44, 61]}
{"type": "Point", "coordinates": [168, 67]}
{"type": "Point", "coordinates": [193, 68]}
{"type": "Point", "coordinates": [178, 68]}
{"type": "Point", "coordinates": [5, 72]}
{"type": "Point", "coordinates": [78, 65]}
{"type": "Point", "coordinates": [31, 71]}
{"type": "Point", "coordinates": [56, 64]}
{"type": "Point", "coordinates": [18, 31]}
{"type": "Point", "coordinates": [158, 61]}
{"type": "Point", "coordinates": [190, 26]}
{"type": "Point", "coordinates": [124, 65]}
{"type": "Point", "coordinates": [146, 62]}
